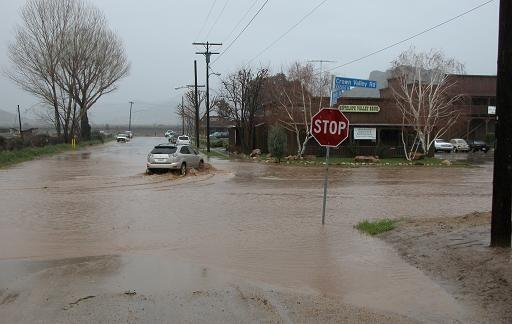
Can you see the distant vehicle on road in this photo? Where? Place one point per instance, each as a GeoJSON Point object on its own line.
{"type": "Point", "coordinates": [459, 145]}
{"type": "Point", "coordinates": [183, 140]}
{"type": "Point", "coordinates": [174, 157]}
{"type": "Point", "coordinates": [441, 145]}
{"type": "Point", "coordinates": [129, 134]}
{"type": "Point", "coordinates": [122, 138]}
{"type": "Point", "coordinates": [169, 133]}
{"type": "Point", "coordinates": [479, 146]}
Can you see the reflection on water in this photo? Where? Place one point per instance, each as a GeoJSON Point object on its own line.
{"type": "Point", "coordinates": [257, 221]}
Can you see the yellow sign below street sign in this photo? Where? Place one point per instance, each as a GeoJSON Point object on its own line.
{"type": "Point", "coordinates": [360, 108]}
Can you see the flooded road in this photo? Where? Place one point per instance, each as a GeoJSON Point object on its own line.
{"type": "Point", "coordinates": [248, 224]}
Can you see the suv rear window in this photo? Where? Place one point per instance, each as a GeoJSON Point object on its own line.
{"type": "Point", "coordinates": [183, 137]}
{"type": "Point", "coordinates": [163, 150]}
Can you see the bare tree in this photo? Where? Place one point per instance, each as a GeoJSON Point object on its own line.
{"type": "Point", "coordinates": [94, 59]}
{"type": "Point", "coordinates": [35, 53]}
{"type": "Point", "coordinates": [421, 87]}
{"type": "Point", "coordinates": [188, 110]}
{"type": "Point", "coordinates": [241, 98]}
{"type": "Point", "coordinates": [65, 54]}
{"type": "Point", "coordinates": [296, 106]}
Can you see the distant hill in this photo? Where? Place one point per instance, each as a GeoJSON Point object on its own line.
{"type": "Point", "coordinates": [8, 119]}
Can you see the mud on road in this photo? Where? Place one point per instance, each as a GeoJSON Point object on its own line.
{"type": "Point", "coordinates": [455, 252]}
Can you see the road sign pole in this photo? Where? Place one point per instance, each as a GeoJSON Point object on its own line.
{"type": "Point", "coordinates": [325, 183]}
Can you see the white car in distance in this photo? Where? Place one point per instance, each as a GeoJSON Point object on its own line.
{"type": "Point", "coordinates": [122, 138]}
{"type": "Point", "coordinates": [183, 140]}
{"type": "Point", "coordinates": [442, 145]}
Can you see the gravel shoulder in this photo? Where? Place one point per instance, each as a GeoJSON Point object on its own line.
{"type": "Point", "coordinates": [455, 252]}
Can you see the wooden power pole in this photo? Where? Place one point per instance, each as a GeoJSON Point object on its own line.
{"type": "Point", "coordinates": [19, 120]}
{"type": "Point", "coordinates": [501, 226]}
{"type": "Point", "coordinates": [207, 54]}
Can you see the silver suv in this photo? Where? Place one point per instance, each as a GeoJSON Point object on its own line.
{"type": "Point", "coordinates": [174, 157]}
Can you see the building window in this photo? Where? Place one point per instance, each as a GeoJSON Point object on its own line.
{"type": "Point", "coordinates": [492, 101]}
{"type": "Point", "coordinates": [479, 101]}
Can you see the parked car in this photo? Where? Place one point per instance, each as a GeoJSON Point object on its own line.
{"type": "Point", "coordinates": [479, 146]}
{"type": "Point", "coordinates": [183, 140]}
{"type": "Point", "coordinates": [169, 133]}
{"type": "Point", "coordinates": [442, 145]}
{"type": "Point", "coordinates": [174, 157]}
{"type": "Point", "coordinates": [122, 138]}
{"type": "Point", "coordinates": [459, 145]}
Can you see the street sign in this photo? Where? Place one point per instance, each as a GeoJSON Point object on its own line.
{"type": "Point", "coordinates": [330, 127]}
{"type": "Point", "coordinates": [340, 82]}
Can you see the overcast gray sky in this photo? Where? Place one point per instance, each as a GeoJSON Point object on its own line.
{"type": "Point", "coordinates": [158, 36]}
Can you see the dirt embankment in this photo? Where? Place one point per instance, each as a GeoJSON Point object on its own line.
{"type": "Point", "coordinates": [455, 252]}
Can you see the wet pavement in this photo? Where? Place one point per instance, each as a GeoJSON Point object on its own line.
{"type": "Point", "coordinates": [248, 225]}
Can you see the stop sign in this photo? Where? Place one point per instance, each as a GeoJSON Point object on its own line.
{"type": "Point", "coordinates": [329, 127]}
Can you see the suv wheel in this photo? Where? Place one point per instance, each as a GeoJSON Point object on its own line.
{"type": "Point", "coordinates": [201, 165]}
{"type": "Point", "coordinates": [183, 169]}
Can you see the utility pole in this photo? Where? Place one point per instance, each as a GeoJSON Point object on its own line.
{"type": "Point", "coordinates": [207, 54]}
{"type": "Point", "coordinates": [130, 122]}
{"type": "Point", "coordinates": [19, 120]}
{"type": "Point", "coordinates": [321, 75]}
{"type": "Point", "coordinates": [501, 227]}
{"type": "Point", "coordinates": [196, 103]}
{"type": "Point", "coordinates": [182, 116]}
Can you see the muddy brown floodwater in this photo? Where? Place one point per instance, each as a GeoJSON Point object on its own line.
{"type": "Point", "coordinates": [86, 236]}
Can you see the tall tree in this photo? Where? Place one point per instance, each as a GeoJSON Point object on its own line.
{"type": "Point", "coordinates": [65, 54]}
{"type": "Point", "coordinates": [241, 98]}
{"type": "Point", "coordinates": [421, 87]}
{"type": "Point", "coordinates": [296, 103]}
{"type": "Point", "coordinates": [36, 51]}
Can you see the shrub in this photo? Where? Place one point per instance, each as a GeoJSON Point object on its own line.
{"type": "Point", "coordinates": [376, 226]}
{"type": "Point", "coordinates": [217, 143]}
{"type": "Point", "coordinates": [382, 151]}
{"type": "Point", "coordinates": [277, 142]}
{"type": "Point", "coordinates": [97, 136]}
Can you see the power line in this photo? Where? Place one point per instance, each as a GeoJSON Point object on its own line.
{"type": "Point", "coordinates": [240, 21]}
{"type": "Point", "coordinates": [206, 20]}
{"type": "Point", "coordinates": [288, 31]}
{"type": "Point", "coordinates": [241, 32]}
{"type": "Point", "coordinates": [218, 18]}
{"type": "Point", "coordinates": [413, 36]}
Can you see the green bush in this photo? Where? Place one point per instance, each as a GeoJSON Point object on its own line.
{"type": "Point", "coordinates": [217, 143]}
{"type": "Point", "coordinates": [97, 136]}
{"type": "Point", "coordinates": [277, 142]}
{"type": "Point", "coordinates": [376, 226]}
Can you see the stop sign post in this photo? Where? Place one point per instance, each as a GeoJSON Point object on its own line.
{"type": "Point", "coordinates": [329, 127]}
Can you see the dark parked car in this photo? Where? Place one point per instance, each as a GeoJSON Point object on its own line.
{"type": "Point", "coordinates": [478, 146]}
